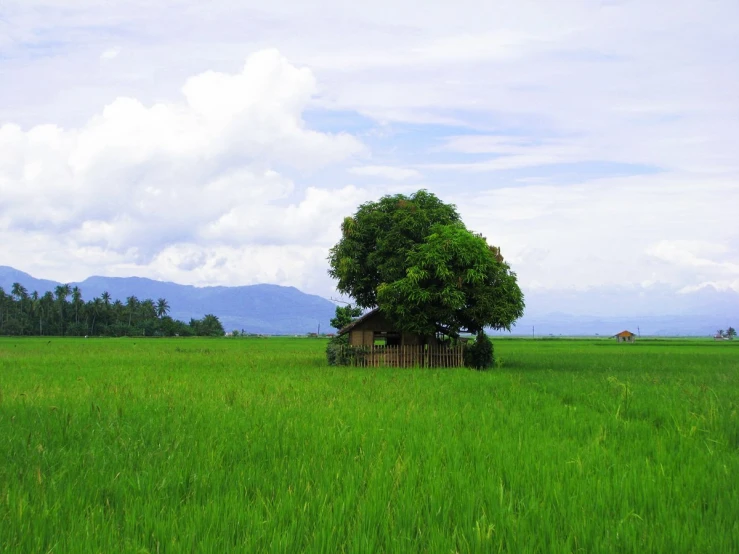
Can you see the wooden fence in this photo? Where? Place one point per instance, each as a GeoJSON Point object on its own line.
{"type": "Point", "coordinates": [406, 356]}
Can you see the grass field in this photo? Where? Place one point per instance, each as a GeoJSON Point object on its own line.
{"type": "Point", "coordinates": [198, 445]}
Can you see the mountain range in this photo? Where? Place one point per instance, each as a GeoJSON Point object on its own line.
{"type": "Point", "coordinates": [266, 309]}
{"type": "Point", "coordinates": [278, 310]}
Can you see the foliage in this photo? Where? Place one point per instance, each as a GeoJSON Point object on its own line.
{"type": "Point", "coordinates": [345, 315]}
{"type": "Point", "coordinates": [336, 350]}
{"type": "Point", "coordinates": [54, 314]}
{"type": "Point", "coordinates": [415, 259]}
{"type": "Point", "coordinates": [377, 239]}
{"type": "Point", "coordinates": [730, 333]}
{"type": "Point", "coordinates": [479, 354]}
{"type": "Point", "coordinates": [209, 326]}
{"type": "Point", "coordinates": [454, 281]}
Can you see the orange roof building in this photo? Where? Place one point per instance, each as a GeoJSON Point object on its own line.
{"type": "Point", "coordinates": [625, 336]}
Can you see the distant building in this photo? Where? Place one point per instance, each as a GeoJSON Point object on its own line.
{"type": "Point", "coordinates": [625, 336]}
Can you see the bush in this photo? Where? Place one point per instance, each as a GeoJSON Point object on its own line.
{"type": "Point", "coordinates": [479, 355]}
{"type": "Point", "coordinates": [339, 352]}
{"type": "Point", "coordinates": [336, 351]}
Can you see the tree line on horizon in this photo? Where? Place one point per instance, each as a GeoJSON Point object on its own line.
{"type": "Point", "coordinates": [63, 312]}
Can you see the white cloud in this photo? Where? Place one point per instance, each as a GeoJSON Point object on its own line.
{"type": "Point", "coordinates": [691, 253]}
{"type": "Point", "coordinates": [611, 232]}
{"type": "Point", "coordinates": [466, 93]}
{"type": "Point", "coordinates": [136, 181]}
{"type": "Point", "coordinates": [511, 152]}
{"type": "Point", "coordinates": [386, 172]}
{"type": "Point", "coordinates": [110, 54]}
{"type": "Point", "coordinates": [721, 286]}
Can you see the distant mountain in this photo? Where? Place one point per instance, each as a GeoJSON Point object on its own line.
{"type": "Point", "coordinates": [267, 309]}
{"type": "Point", "coordinates": [275, 310]}
{"type": "Point", "coordinates": [634, 301]}
{"type": "Point", "coordinates": [613, 309]}
{"type": "Point", "coordinates": [556, 324]}
{"type": "Point", "coordinates": [9, 275]}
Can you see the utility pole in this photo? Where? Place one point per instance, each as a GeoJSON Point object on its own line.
{"type": "Point", "coordinates": [532, 331]}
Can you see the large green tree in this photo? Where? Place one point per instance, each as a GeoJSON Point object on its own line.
{"type": "Point", "coordinates": [412, 257]}
{"type": "Point", "coordinates": [377, 239]}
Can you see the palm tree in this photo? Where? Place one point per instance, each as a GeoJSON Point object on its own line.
{"type": "Point", "coordinates": [20, 293]}
{"type": "Point", "coordinates": [147, 309]}
{"type": "Point", "coordinates": [38, 311]}
{"type": "Point", "coordinates": [62, 292]}
{"type": "Point", "coordinates": [3, 298]}
{"type": "Point", "coordinates": [131, 304]}
{"type": "Point", "coordinates": [76, 301]}
{"type": "Point", "coordinates": [117, 310]}
{"type": "Point", "coordinates": [46, 305]}
{"type": "Point", "coordinates": [105, 303]}
{"type": "Point", "coordinates": [162, 307]}
{"type": "Point", "coordinates": [95, 307]}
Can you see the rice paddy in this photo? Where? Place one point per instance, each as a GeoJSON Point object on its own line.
{"type": "Point", "coordinates": [217, 445]}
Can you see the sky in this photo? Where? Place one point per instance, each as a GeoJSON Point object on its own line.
{"type": "Point", "coordinates": [222, 142]}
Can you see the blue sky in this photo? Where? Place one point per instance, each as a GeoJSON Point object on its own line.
{"type": "Point", "coordinates": [223, 142]}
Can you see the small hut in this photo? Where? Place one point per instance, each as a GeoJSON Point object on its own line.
{"type": "Point", "coordinates": [380, 343]}
{"type": "Point", "coordinates": [373, 329]}
{"type": "Point", "coordinates": [625, 336]}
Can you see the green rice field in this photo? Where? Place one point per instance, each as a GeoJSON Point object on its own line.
{"type": "Point", "coordinates": [256, 445]}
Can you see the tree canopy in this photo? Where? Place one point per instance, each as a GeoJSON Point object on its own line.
{"type": "Point", "coordinates": [413, 257]}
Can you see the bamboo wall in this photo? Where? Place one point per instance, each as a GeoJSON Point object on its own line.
{"type": "Point", "coordinates": [408, 356]}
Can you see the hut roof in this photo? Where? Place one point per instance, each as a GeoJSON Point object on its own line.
{"type": "Point", "coordinates": [359, 320]}
{"type": "Point", "coordinates": [625, 334]}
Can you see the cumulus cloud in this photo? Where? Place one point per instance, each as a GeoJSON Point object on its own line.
{"type": "Point", "coordinates": [137, 180]}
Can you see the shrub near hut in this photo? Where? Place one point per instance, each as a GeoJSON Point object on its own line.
{"type": "Point", "coordinates": [336, 350]}
{"type": "Point", "coordinates": [479, 354]}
